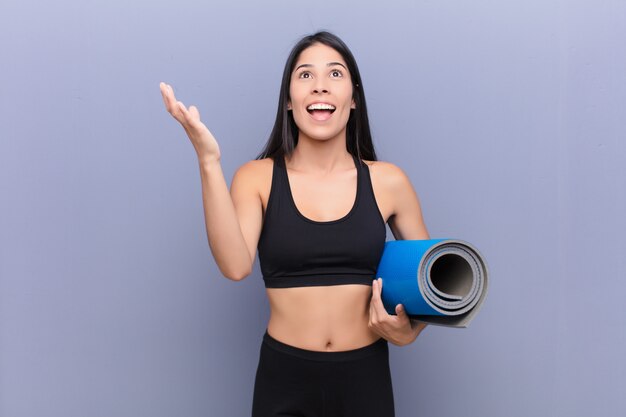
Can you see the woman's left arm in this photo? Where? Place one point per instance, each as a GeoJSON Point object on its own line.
{"type": "Point", "coordinates": [406, 223]}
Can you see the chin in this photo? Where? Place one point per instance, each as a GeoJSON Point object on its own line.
{"type": "Point", "coordinates": [321, 133]}
{"type": "Point", "coordinates": [320, 136]}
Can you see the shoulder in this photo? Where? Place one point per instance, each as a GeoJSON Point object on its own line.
{"type": "Point", "coordinates": [255, 167]}
{"type": "Point", "coordinates": [254, 173]}
{"type": "Point", "coordinates": [389, 175]}
{"type": "Point", "coordinates": [405, 219]}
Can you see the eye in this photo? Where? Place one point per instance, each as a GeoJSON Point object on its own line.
{"type": "Point", "coordinates": [336, 73]}
{"type": "Point", "coordinates": [303, 73]}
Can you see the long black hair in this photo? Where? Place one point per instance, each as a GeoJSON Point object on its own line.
{"type": "Point", "coordinates": [284, 136]}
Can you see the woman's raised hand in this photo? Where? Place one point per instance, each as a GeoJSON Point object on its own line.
{"type": "Point", "coordinates": [201, 138]}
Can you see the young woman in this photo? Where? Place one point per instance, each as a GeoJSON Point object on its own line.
{"type": "Point", "coordinates": [314, 203]}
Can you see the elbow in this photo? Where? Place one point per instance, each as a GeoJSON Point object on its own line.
{"type": "Point", "coordinates": [235, 269]}
{"type": "Point", "coordinates": [239, 275]}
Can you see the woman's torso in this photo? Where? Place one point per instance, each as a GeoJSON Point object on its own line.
{"type": "Point", "coordinates": [297, 317]}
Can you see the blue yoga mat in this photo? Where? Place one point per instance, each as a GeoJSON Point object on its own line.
{"type": "Point", "coordinates": [438, 281]}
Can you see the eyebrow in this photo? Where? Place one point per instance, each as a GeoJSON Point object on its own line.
{"type": "Point", "coordinates": [330, 64]}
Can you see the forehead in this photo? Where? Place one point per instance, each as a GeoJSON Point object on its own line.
{"type": "Point", "coordinates": [319, 54]}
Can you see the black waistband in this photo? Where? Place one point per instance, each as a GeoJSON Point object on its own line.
{"type": "Point", "coordinates": [378, 346]}
{"type": "Point", "coordinates": [318, 280]}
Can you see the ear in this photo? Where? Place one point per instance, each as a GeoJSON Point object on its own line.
{"type": "Point", "coordinates": [288, 105]}
{"type": "Point", "coordinates": [353, 105]}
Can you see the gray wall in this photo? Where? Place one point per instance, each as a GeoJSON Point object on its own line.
{"type": "Point", "coordinates": [507, 116]}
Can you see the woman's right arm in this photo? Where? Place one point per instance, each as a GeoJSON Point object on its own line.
{"type": "Point", "coordinates": [233, 220]}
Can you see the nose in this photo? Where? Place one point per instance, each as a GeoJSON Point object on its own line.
{"type": "Point", "coordinates": [320, 86]}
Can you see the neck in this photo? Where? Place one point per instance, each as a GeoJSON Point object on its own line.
{"type": "Point", "coordinates": [317, 156]}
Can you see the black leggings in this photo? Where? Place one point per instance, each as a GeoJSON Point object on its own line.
{"type": "Point", "coordinates": [294, 382]}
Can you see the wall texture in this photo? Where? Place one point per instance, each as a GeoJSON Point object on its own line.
{"type": "Point", "coordinates": [508, 116]}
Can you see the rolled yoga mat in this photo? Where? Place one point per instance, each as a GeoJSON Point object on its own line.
{"type": "Point", "coordinates": [438, 281]}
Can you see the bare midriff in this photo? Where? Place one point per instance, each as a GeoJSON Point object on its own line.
{"type": "Point", "coordinates": [325, 318]}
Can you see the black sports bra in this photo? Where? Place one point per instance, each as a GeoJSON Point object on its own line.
{"type": "Point", "coordinates": [295, 251]}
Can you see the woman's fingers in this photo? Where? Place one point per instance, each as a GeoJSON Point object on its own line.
{"type": "Point", "coordinates": [373, 316]}
{"type": "Point", "coordinates": [377, 298]}
{"type": "Point", "coordinates": [164, 94]}
{"type": "Point", "coordinates": [193, 110]}
{"type": "Point", "coordinates": [171, 104]}
{"type": "Point", "coordinates": [203, 141]}
{"type": "Point", "coordinates": [378, 314]}
{"type": "Point", "coordinates": [183, 110]}
{"type": "Point", "coordinates": [170, 100]}
{"type": "Point", "coordinates": [177, 108]}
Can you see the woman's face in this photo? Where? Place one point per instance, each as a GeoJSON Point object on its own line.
{"type": "Point", "coordinates": [321, 93]}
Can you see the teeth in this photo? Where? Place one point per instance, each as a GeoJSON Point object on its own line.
{"type": "Point", "coordinates": [321, 106]}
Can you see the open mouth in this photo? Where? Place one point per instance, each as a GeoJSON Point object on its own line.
{"type": "Point", "coordinates": [320, 111]}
